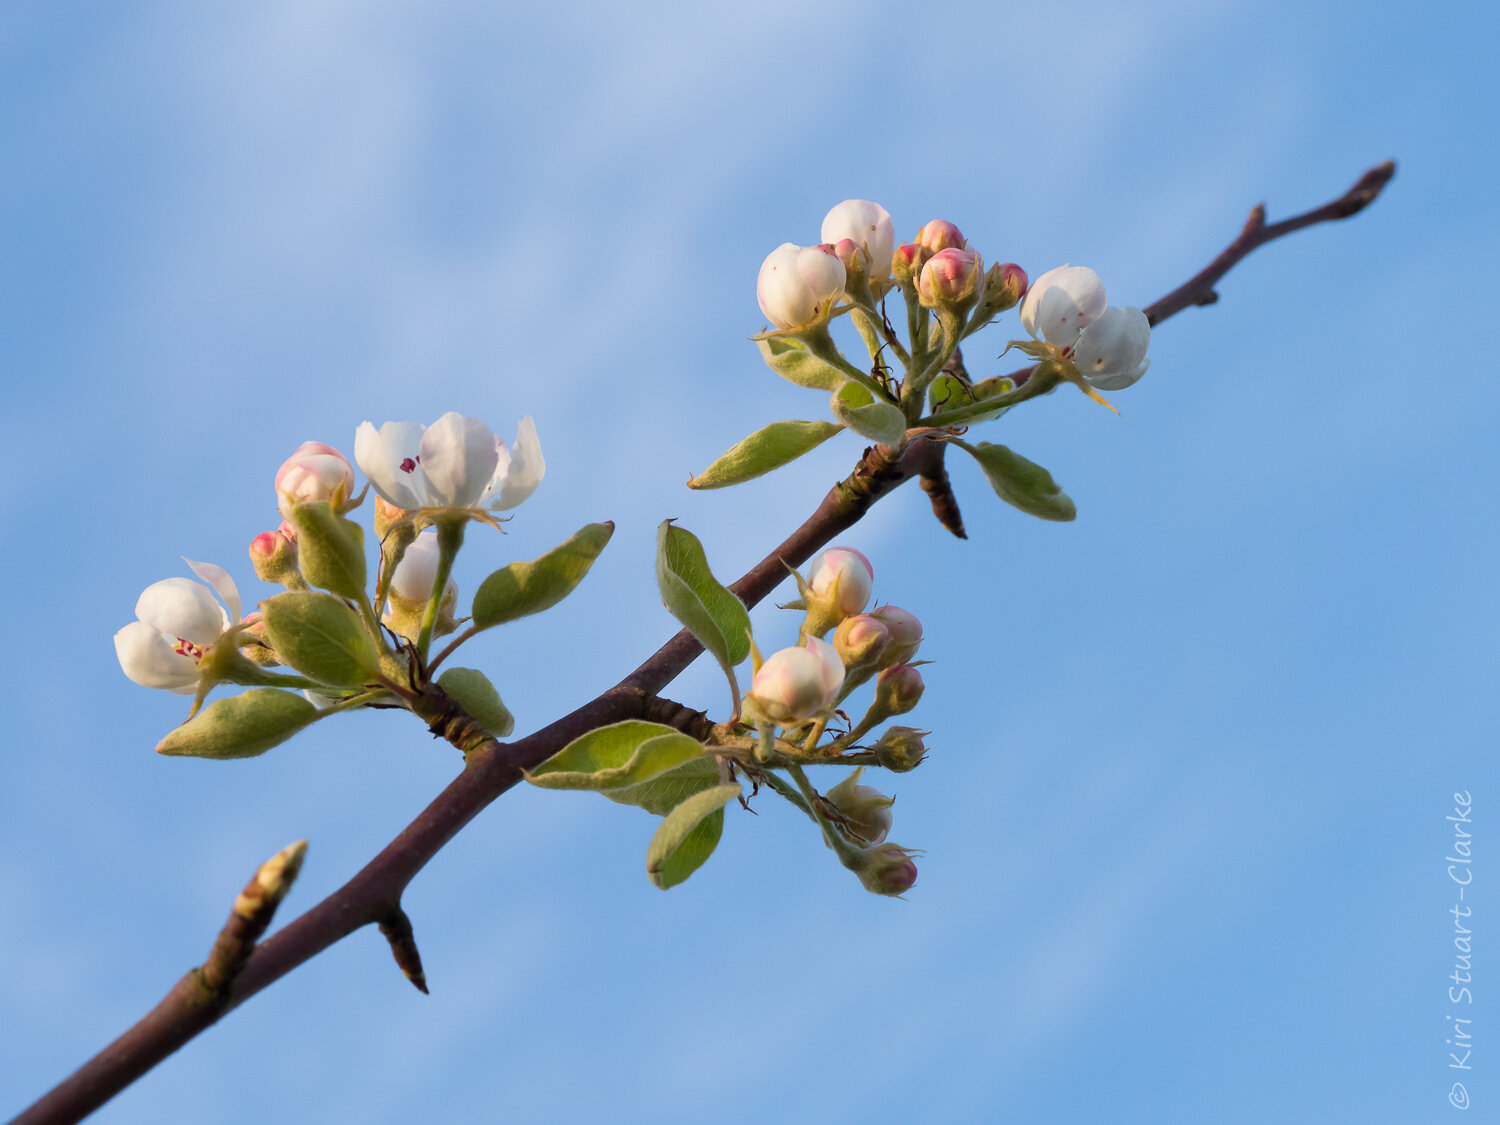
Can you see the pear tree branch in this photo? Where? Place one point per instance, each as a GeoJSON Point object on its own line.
{"type": "Point", "coordinates": [238, 967]}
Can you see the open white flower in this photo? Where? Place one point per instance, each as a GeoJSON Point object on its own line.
{"type": "Point", "coordinates": [1106, 346]}
{"type": "Point", "coordinates": [456, 463]}
{"type": "Point", "coordinates": [177, 621]}
{"type": "Point", "coordinates": [1078, 337]}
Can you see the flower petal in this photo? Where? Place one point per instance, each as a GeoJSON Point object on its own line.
{"type": "Point", "coordinates": [390, 458]}
{"type": "Point", "coordinates": [148, 658]}
{"type": "Point", "coordinates": [1113, 346]}
{"type": "Point", "coordinates": [517, 471]}
{"type": "Point", "coordinates": [180, 607]}
{"type": "Point", "coordinates": [1061, 303]}
{"type": "Point", "coordinates": [458, 457]}
{"type": "Point", "coordinates": [223, 584]}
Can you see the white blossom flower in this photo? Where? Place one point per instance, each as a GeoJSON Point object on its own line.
{"type": "Point", "coordinates": [457, 463]}
{"type": "Point", "coordinates": [1103, 345]}
{"type": "Point", "coordinates": [796, 684]}
{"type": "Point", "coordinates": [865, 224]}
{"type": "Point", "coordinates": [798, 285]}
{"type": "Point", "coordinates": [177, 621]}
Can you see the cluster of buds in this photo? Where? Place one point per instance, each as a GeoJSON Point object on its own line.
{"type": "Point", "coordinates": [802, 685]}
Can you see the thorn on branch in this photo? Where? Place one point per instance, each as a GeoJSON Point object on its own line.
{"type": "Point", "coordinates": [252, 913]}
{"type": "Point", "coordinates": [396, 927]}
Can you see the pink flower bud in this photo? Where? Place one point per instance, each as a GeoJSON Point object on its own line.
{"type": "Point", "coordinates": [273, 554]}
{"type": "Point", "coordinates": [866, 811]}
{"type": "Point", "coordinates": [905, 631]}
{"type": "Point", "coordinates": [798, 285]}
{"type": "Point", "coordinates": [861, 640]}
{"type": "Point", "coordinates": [950, 278]}
{"type": "Point", "coordinates": [940, 235]}
{"type": "Point", "coordinates": [907, 262]}
{"type": "Point", "coordinates": [844, 578]}
{"type": "Point", "coordinates": [795, 684]}
{"type": "Point", "coordinates": [315, 472]}
{"type": "Point", "coordinates": [898, 689]}
{"type": "Point", "coordinates": [1004, 286]}
{"type": "Point", "coordinates": [887, 870]}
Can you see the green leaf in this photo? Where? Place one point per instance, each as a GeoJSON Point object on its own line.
{"type": "Point", "coordinates": [472, 690]}
{"type": "Point", "coordinates": [692, 595]}
{"type": "Point", "coordinates": [857, 408]}
{"type": "Point", "coordinates": [321, 637]}
{"type": "Point", "coordinates": [330, 549]}
{"type": "Point", "coordinates": [664, 792]}
{"type": "Point", "coordinates": [617, 756]}
{"type": "Point", "coordinates": [1021, 483]}
{"type": "Point", "coordinates": [688, 836]}
{"type": "Point", "coordinates": [521, 589]}
{"type": "Point", "coordinates": [790, 359]}
{"type": "Point", "coordinates": [240, 727]}
{"type": "Point", "coordinates": [766, 449]}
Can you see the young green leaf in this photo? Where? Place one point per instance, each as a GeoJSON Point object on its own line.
{"type": "Point", "coordinates": [617, 756]}
{"type": "Point", "coordinates": [1021, 483]}
{"type": "Point", "coordinates": [661, 794]}
{"type": "Point", "coordinates": [791, 360]}
{"type": "Point", "coordinates": [857, 408]}
{"type": "Point", "coordinates": [240, 727]}
{"type": "Point", "coordinates": [321, 637]}
{"type": "Point", "coordinates": [766, 449]}
{"type": "Point", "coordinates": [472, 690]}
{"type": "Point", "coordinates": [692, 595]}
{"type": "Point", "coordinates": [688, 836]}
{"type": "Point", "coordinates": [330, 549]}
{"type": "Point", "coordinates": [521, 589]}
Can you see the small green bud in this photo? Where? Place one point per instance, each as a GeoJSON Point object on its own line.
{"type": "Point", "coordinates": [901, 749]}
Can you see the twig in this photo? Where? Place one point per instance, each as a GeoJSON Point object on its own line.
{"type": "Point", "coordinates": [491, 768]}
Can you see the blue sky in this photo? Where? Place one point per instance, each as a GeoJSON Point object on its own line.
{"type": "Point", "coordinates": [1185, 821]}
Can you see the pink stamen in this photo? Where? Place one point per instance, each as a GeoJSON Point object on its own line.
{"type": "Point", "coordinates": [408, 464]}
{"type": "Point", "coordinates": [185, 647]}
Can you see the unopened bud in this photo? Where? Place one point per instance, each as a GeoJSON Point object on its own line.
{"type": "Point", "coordinates": [316, 472]}
{"type": "Point", "coordinates": [941, 235]}
{"type": "Point", "coordinates": [861, 641]}
{"type": "Point", "coordinates": [798, 285]}
{"type": "Point", "coordinates": [387, 516]}
{"type": "Point", "coordinates": [950, 280]}
{"type": "Point", "coordinates": [864, 810]}
{"type": "Point", "coordinates": [907, 261]}
{"type": "Point", "coordinates": [905, 631]}
{"type": "Point", "coordinates": [901, 749]}
{"type": "Point", "coordinates": [897, 690]}
{"type": "Point", "coordinates": [411, 588]}
{"type": "Point", "coordinates": [887, 869]}
{"type": "Point", "coordinates": [253, 638]}
{"type": "Point", "coordinates": [273, 554]}
{"type": "Point", "coordinates": [796, 684]}
{"type": "Point", "coordinates": [867, 225]}
{"type": "Point", "coordinates": [838, 586]}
